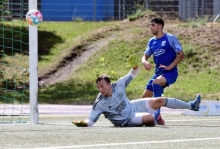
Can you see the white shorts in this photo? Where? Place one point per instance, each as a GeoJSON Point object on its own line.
{"type": "Point", "coordinates": [141, 107]}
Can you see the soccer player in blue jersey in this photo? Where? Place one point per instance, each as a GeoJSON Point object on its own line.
{"type": "Point", "coordinates": [116, 107]}
{"type": "Point", "coordinates": [167, 53]}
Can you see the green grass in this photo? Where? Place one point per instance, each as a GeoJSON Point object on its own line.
{"type": "Point", "coordinates": [68, 35]}
{"type": "Point", "coordinates": [139, 14]}
{"type": "Point", "coordinates": [198, 73]}
{"type": "Point", "coordinates": [189, 83]}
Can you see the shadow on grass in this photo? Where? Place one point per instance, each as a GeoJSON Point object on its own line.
{"type": "Point", "coordinates": [15, 39]}
{"type": "Point", "coordinates": [69, 92]}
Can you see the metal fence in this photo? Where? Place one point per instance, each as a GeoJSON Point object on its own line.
{"type": "Point", "coordinates": [101, 10]}
{"type": "Point", "coordinates": [192, 9]}
{"type": "Point", "coordinates": [164, 7]}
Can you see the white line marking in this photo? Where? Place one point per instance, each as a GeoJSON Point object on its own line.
{"type": "Point", "coordinates": [191, 120]}
{"type": "Point", "coordinates": [131, 143]}
{"type": "Point", "coordinates": [70, 123]}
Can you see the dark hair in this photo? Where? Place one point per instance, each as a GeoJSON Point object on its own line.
{"type": "Point", "coordinates": [158, 21]}
{"type": "Point", "coordinates": [103, 77]}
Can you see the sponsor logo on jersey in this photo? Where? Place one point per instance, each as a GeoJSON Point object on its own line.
{"type": "Point", "coordinates": [121, 107]}
{"type": "Point", "coordinates": [120, 96]}
{"type": "Point", "coordinates": [163, 43]}
{"type": "Point", "coordinates": [159, 52]}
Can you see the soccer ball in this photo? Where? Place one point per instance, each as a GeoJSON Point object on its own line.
{"type": "Point", "coordinates": [34, 17]}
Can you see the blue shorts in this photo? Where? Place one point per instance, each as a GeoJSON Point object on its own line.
{"type": "Point", "coordinates": [170, 77]}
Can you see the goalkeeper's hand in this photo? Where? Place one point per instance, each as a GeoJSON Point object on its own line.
{"type": "Point", "coordinates": [132, 61]}
{"type": "Point", "coordinates": [80, 123]}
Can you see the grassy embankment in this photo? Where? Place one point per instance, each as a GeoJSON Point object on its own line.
{"type": "Point", "coordinates": [198, 73]}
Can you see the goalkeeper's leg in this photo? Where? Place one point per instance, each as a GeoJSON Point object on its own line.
{"type": "Point", "coordinates": [173, 103]}
{"type": "Point", "coordinates": [140, 119]}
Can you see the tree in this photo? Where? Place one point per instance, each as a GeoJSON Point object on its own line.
{"type": "Point", "coordinates": [3, 9]}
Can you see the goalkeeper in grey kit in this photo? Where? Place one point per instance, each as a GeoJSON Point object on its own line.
{"type": "Point", "coordinates": [116, 107]}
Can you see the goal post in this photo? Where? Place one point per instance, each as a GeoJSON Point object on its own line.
{"type": "Point", "coordinates": [33, 68]}
{"type": "Point", "coordinates": [15, 76]}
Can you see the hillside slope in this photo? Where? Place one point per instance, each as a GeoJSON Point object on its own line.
{"type": "Point", "coordinates": [200, 42]}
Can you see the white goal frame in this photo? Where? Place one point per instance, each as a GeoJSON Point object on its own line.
{"type": "Point", "coordinates": [33, 68]}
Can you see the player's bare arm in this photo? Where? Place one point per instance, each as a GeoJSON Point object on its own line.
{"type": "Point", "coordinates": [180, 56]}
{"type": "Point", "coordinates": [147, 65]}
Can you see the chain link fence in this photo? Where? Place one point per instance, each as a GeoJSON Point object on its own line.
{"type": "Point", "coordinates": [102, 10]}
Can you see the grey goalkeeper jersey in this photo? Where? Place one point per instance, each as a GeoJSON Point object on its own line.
{"type": "Point", "coordinates": [116, 108]}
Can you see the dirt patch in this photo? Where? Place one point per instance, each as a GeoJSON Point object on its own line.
{"type": "Point", "coordinates": [204, 36]}
{"type": "Point", "coordinates": [64, 72]}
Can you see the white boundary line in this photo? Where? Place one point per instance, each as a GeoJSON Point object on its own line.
{"type": "Point", "coordinates": [131, 143]}
{"type": "Point", "coordinates": [70, 123]}
{"type": "Point", "coordinates": [192, 120]}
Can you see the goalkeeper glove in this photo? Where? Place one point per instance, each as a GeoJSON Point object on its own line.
{"type": "Point", "coordinates": [132, 61]}
{"type": "Point", "coordinates": [80, 123]}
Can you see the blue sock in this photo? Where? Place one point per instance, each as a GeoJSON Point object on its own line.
{"type": "Point", "coordinates": [157, 90]}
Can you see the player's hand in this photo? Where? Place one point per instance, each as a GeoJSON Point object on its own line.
{"type": "Point", "coordinates": [147, 65]}
{"type": "Point", "coordinates": [132, 61]}
{"type": "Point", "coordinates": [164, 67]}
{"type": "Point", "coordinates": [80, 123]}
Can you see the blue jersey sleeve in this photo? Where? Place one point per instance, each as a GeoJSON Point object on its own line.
{"type": "Point", "coordinates": [148, 50]}
{"type": "Point", "coordinates": [174, 43]}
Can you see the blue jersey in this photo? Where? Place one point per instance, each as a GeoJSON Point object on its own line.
{"type": "Point", "coordinates": [116, 108]}
{"type": "Point", "coordinates": [164, 51]}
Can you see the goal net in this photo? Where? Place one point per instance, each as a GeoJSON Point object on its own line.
{"type": "Point", "coordinates": [14, 63]}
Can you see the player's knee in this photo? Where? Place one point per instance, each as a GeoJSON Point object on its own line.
{"type": "Point", "coordinates": [148, 119]}
{"type": "Point", "coordinates": [159, 101]}
{"type": "Point", "coordinates": [156, 81]}
{"type": "Point", "coordinates": [160, 82]}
